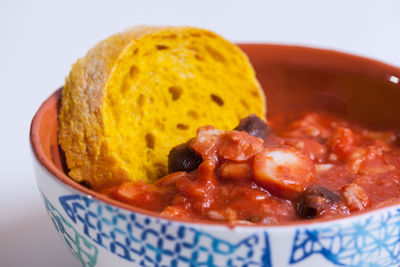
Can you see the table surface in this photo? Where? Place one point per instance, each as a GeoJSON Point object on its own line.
{"type": "Point", "coordinates": [39, 40]}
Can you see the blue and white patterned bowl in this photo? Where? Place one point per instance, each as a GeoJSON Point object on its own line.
{"type": "Point", "coordinates": [102, 232]}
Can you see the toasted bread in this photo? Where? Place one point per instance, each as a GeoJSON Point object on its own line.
{"type": "Point", "coordinates": [137, 94]}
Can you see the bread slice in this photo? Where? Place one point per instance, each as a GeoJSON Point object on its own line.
{"type": "Point", "coordinates": [137, 94]}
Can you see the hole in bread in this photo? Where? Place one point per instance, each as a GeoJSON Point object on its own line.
{"type": "Point", "coordinates": [199, 57]}
{"type": "Point", "coordinates": [196, 52]}
{"type": "Point", "coordinates": [150, 140]}
{"type": "Point", "coordinates": [133, 71]}
{"type": "Point", "coordinates": [217, 100]}
{"type": "Point", "coordinates": [181, 126]}
{"type": "Point", "coordinates": [140, 100]}
{"type": "Point", "coordinates": [171, 36]}
{"type": "Point", "coordinates": [192, 46]}
{"type": "Point", "coordinates": [254, 93]}
{"type": "Point", "coordinates": [215, 54]}
{"type": "Point", "coordinates": [193, 114]}
{"type": "Point", "coordinates": [210, 34]}
{"type": "Point", "coordinates": [161, 47]}
{"type": "Point", "coordinates": [124, 88]}
{"type": "Point", "coordinates": [175, 92]}
{"type": "Point", "coordinates": [244, 103]}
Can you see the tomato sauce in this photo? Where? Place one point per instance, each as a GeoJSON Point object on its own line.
{"type": "Point", "coordinates": [319, 166]}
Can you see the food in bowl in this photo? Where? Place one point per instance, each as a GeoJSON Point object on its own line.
{"type": "Point", "coordinates": [137, 94]}
{"type": "Point", "coordinates": [319, 166]}
{"type": "Point", "coordinates": [100, 231]}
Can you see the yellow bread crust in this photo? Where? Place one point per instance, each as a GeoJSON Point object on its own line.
{"type": "Point", "coordinates": [90, 107]}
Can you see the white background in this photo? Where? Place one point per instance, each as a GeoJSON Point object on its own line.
{"type": "Point", "coordinates": [39, 40]}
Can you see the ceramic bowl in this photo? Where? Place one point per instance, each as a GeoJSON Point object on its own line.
{"type": "Point", "coordinates": [103, 232]}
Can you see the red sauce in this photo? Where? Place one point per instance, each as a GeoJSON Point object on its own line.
{"type": "Point", "coordinates": [317, 167]}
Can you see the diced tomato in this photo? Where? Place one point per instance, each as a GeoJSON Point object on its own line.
{"type": "Point", "coordinates": [317, 167]}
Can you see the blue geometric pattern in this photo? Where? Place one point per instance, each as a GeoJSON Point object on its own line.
{"type": "Point", "coordinates": [84, 251]}
{"type": "Point", "coordinates": [374, 241]}
{"type": "Point", "coordinates": [154, 242]}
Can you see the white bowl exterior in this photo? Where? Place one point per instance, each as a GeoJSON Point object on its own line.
{"type": "Point", "coordinates": [99, 234]}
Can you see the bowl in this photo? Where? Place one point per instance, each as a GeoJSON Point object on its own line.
{"type": "Point", "coordinates": [100, 231]}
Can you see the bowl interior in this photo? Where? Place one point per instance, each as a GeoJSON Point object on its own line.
{"type": "Point", "coordinates": [299, 79]}
{"type": "Point", "coordinates": [295, 80]}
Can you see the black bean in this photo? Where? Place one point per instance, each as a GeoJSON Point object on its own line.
{"type": "Point", "coordinates": [183, 158]}
{"type": "Point", "coordinates": [314, 201]}
{"type": "Point", "coordinates": [254, 126]}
